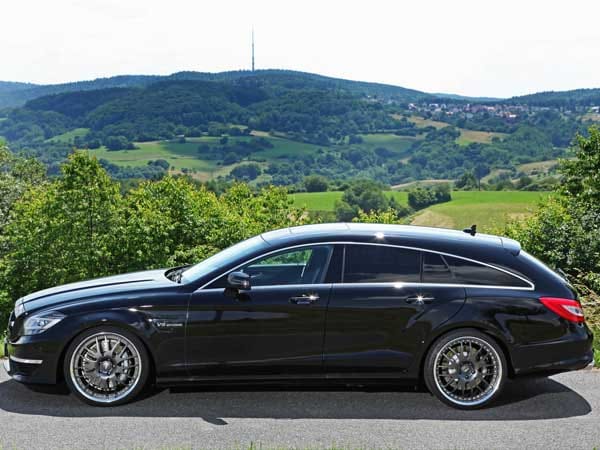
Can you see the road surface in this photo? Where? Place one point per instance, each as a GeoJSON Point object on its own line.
{"type": "Point", "coordinates": [559, 412]}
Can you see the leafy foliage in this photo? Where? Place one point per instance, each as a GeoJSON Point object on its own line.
{"type": "Point", "coordinates": [80, 225]}
{"type": "Point", "coordinates": [419, 198]}
{"type": "Point", "coordinates": [566, 230]}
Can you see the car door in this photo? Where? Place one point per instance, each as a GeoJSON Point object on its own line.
{"type": "Point", "coordinates": [275, 329]}
{"type": "Point", "coordinates": [380, 315]}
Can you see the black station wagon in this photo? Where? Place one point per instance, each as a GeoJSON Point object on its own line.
{"type": "Point", "coordinates": [336, 303]}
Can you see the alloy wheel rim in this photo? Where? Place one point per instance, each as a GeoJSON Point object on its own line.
{"type": "Point", "coordinates": [467, 371]}
{"type": "Point", "coordinates": [105, 367]}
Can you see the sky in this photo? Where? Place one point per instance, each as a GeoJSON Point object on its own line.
{"type": "Point", "coordinates": [498, 48]}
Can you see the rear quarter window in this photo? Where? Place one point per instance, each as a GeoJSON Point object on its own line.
{"type": "Point", "coordinates": [450, 270]}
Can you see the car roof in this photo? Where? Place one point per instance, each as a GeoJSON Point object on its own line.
{"type": "Point", "coordinates": [395, 234]}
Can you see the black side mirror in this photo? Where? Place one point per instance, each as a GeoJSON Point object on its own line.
{"type": "Point", "coordinates": [239, 280]}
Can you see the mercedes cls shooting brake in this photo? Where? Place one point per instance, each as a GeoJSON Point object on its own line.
{"type": "Point", "coordinates": [337, 303]}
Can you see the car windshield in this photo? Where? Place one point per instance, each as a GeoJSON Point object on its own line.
{"type": "Point", "coordinates": [220, 259]}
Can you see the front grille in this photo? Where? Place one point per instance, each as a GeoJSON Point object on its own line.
{"type": "Point", "coordinates": [25, 370]}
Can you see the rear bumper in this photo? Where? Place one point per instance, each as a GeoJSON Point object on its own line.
{"type": "Point", "coordinates": [573, 351]}
{"type": "Point", "coordinates": [30, 360]}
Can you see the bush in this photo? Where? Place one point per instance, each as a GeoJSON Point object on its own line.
{"type": "Point", "coordinates": [6, 306]}
{"type": "Point", "coordinates": [420, 198]}
{"type": "Point", "coordinates": [246, 172]}
{"type": "Point", "coordinates": [315, 183]}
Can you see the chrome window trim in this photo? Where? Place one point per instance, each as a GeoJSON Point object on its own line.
{"type": "Point", "coordinates": [408, 284]}
{"type": "Point", "coordinates": [280, 286]}
{"type": "Point", "coordinates": [26, 361]}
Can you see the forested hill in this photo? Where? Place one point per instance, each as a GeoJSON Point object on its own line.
{"type": "Point", "coordinates": [17, 94]}
{"type": "Point", "coordinates": [279, 126]}
{"type": "Point", "coordinates": [314, 109]}
{"type": "Point", "coordinates": [560, 99]}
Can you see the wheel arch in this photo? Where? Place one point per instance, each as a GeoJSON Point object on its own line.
{"type": "Point", "coordinates": [104, 322]}
{"type": "Point", "coordinates": [495, 335]}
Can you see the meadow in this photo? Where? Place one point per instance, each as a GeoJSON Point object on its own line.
{"type": "Point", "coordinates": [186, 156]}
{"type": "Point", "coordinates": [490, 210]}
{"type": "Point", "coordinates": [325, 201]}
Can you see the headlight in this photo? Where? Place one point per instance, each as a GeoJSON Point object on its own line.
{"type": "Point", "coordinates": [38, 323]}
{"type": "Point", "coordinates": [19, 309]}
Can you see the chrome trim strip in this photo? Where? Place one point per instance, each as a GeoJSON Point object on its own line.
{"type": "Point", "coordinates": [400, 285]}
{"type": "Point", "coordinates": [26, 361]}
{"type": "Point", "coordinates": [282, 286]}
{"type": "Point", "coordinates": [519, 288]}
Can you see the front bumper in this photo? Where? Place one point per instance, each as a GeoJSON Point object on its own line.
{"type": "Point", "coordinates": [27, 361]}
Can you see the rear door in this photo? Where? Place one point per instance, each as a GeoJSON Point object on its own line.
{"type": "Point", "coordinates": [381, 313]}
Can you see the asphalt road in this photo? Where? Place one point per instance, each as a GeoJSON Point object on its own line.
{"type": "Point", "coordinates": [560, 412]}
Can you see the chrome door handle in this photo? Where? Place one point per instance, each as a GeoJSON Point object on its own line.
{"type": "Point", "coordinates": [420, 299]}
{"type": "Point", "coordinates": [305, 299]}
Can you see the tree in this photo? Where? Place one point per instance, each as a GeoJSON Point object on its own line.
{"type": "Point", "coordinates": [565, 231]}
{"type": "Point", "coordinates": [480, 171]}
{"type": "Point", "coordinates": [363, 195]}
{"type": "Point", "coordinates": [467, 181]}
{"type": "Point", "coordinates": [246, 172]}
{"type": "Point", "coordinates": [116, 142]}
{"type": "Point", "coordinates": [315, 183]}
{"type": "Point", "coordinates": [16, 176]}
{"type": "Point", "coordinates": [390, 216]}
{"type": "Point", "coordinates": [66, 230]}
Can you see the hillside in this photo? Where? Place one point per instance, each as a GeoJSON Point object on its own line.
{"type": "Point", "coordinates": [17, 94]}
{"type": "Point", "coordinates": [281, 126]}
{"type": "Point", "coordinates": [560, 99]}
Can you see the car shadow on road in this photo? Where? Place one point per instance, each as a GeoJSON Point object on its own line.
{"type": "Point", "coordinates": [525, 399]}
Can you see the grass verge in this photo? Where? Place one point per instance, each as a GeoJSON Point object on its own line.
{"type": "Point", "coordinates": [596, 332]}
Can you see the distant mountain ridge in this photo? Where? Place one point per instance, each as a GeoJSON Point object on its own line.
{"type": "Point", "coordinates": [572, 98]}
{"type": "Point", "coordinates": [14, 94]}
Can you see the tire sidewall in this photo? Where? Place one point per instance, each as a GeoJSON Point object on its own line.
{"type": "Point", "coordinates": [429, 375]}
{"type": "Point", "coordinates": [144, 364]}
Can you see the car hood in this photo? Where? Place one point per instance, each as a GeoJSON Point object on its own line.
{"type": "Point", "coordinates": [93, 288]}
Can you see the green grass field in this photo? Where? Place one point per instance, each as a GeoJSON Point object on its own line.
{"type": "Point", "coordinates": [539, 167]}
{"type": "Point", "coordinates": [466, 136]}
{"type": "Point", "coordinates": [325, 201]}
{"type": "Point", "coordinates": [69, 136]}
{"type": "Point", "coordinates": [488, 209]}
{"type": "Point", "coordinates": [399, 145]}
{"type": "Point", "coordinates": [483, 137]}
{"type": "Point", "coordinates": [185, 155]}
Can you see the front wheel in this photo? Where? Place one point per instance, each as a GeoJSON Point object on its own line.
{"type": "Point", "coordinates": [106, 366]}
{"type": "Point", "coordinates": [465, 369]}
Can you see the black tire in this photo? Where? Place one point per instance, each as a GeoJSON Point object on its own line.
{"type": "Point", "coordinates": [137, 366]}
{"type": "Point", "coordinates": [465, 377]}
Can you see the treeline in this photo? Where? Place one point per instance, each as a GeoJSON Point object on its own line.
{"type": "Point", "coordinates": [80, 225]}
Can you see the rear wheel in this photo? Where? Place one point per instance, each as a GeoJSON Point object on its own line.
{"type": "Point", "coordinates": [106, 366]}
{"type": "Point", "coordinates": [465, 369]}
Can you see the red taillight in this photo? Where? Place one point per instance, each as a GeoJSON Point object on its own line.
{"type": "Point", "coordinates": [565, 308]}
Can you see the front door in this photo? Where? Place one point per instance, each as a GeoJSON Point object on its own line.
{"type": "Point", "coordinates": [380, 315]}
{"type": "Point", "coordinates": [275, 329]}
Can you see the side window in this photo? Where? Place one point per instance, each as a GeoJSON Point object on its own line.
{"type": "Point", "coordinates": [436, 269]}
{"type": "Point", "coordinates": [380, 264]}
{"type": "Point", "coordinates": [468, 272]}
{"type": "Point", "coordinates": [306, 265]}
